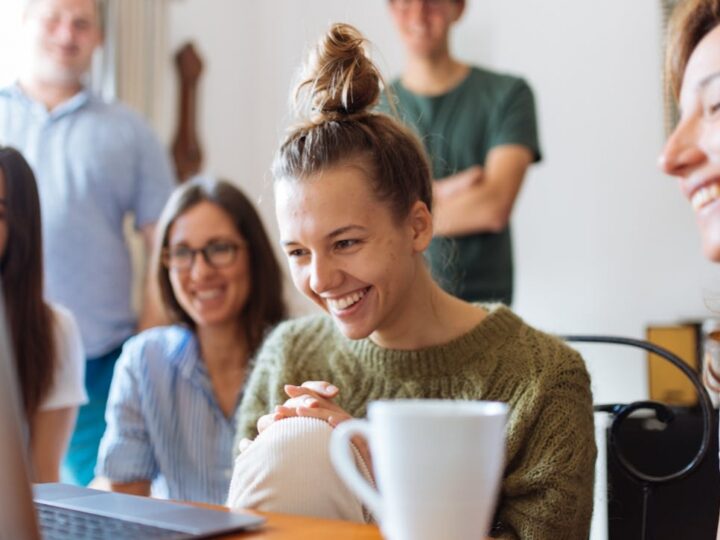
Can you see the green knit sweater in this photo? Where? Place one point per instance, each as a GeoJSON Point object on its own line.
{"type": "Point", "coordinates": [547, 487]}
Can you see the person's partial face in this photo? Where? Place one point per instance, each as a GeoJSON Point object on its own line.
{"type": "Point", "coordinates": [212, 287]}
{"type": "Point", "coordinates": [692, 152]}
{"type": "Point", "coordinates": [63, 35]}
{"type": "Point", "coordinates": [424, 25]}
{"type": "Point", "coordinates": [345, 251]}
{"type": "Point", "coordinates": [4, 232]}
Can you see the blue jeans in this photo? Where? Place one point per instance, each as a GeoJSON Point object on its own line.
{"type": "Point", "coordinates": [78, 466]}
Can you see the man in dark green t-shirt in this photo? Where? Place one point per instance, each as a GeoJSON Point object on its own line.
{"type": "Point", "coordinates": [479, 129]}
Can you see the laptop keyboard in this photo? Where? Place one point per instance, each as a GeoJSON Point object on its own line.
{"type": "Point", "coordinates": [64, 524]}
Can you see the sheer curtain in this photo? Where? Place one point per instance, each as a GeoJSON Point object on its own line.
{"type": "Point", "coordinates": [130, 68]}
{"type": "Point", "coordinates": [131, 65]}
{"type": "Point", "coordinates": [670, 109]}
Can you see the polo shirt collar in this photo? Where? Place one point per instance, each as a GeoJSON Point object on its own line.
{"type": "Point", "coordinates": [71, 105]}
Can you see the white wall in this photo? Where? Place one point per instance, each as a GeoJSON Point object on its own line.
{"type": "Point", "coordinates": [604, 242]}
{"type": "Point", "coordinates": [10, 40]}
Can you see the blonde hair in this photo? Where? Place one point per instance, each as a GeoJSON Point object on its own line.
{"type": "Point", "coordinates": [335, 102]}
{"type": "Point", "coordinates": [690, 21]}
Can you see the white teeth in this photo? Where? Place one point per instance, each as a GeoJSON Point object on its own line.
{"type": "Point", "coordinates": [705, 195]}
{"type": "Point", "coordinates": [208, 295]}
{"type": "Point", "coordinates": [345, 302]}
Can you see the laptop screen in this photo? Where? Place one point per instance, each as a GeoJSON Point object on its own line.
{"type": "Point", "coordinates": [17, 513]}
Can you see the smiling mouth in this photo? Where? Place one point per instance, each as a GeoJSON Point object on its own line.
{"type": "Point", "coordinates": [65, 50]}
{"type": "Point", "coordinates": [346, 302]}
{"type": "Point", "coordinates": [705, 195]}
{"type": "Point", "coordinates": [209, 294]}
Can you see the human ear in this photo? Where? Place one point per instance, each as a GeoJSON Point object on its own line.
{"type": "Point", "coordinates": [459, 9]}
{"type": "Point", "coordinates": [420, 221]}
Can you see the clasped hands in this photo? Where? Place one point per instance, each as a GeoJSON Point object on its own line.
{"type": "Point", "coordinates": [312, 399]}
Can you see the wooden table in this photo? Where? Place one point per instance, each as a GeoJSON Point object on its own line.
{"type": "Point", "coordinates": [289, 527]}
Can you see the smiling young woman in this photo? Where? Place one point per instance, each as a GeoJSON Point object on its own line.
{"type": "Point", "coordinates": [354, 201]}
{"type": "Point", "coordinates": [692, 152]}
{"type": "Point", "coordinates": [176, 388]}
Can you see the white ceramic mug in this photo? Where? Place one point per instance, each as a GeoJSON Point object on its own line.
{"type": "Point", "coordinates": [437, 464]}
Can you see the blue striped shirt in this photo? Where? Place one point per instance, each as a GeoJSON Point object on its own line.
{"type": "Point", "coordinates": [164, 423]}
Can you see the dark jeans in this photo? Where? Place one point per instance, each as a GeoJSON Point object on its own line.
{"type": "Point", "coordinates": [78, 466]}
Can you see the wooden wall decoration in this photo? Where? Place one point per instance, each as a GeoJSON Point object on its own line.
{"type": "Point", "coordinates": [186, 149]}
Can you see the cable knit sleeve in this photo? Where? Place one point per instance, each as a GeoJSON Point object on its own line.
{"type": "Point", "coordinates": [548, 487]}
{"type": "Point", "coordinates": [264, 387]}
{"type": "Point", "coordinates": [296, 351]}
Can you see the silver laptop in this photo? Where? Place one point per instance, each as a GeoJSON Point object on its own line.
{"type": "Point", "coordinates": [63, 511]}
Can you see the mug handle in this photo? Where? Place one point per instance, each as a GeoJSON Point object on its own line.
{"type": "Point", "coordinates": [342, 458]}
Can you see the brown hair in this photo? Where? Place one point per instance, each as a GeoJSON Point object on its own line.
{"type": "Point", "coordinates": [338, 91]}
{"type": "Point", "coordinates": [690, 21]}
{"type": "Point", "coordinates": [30, 319]}
{"type": "Point", "coordinates": [265, 306]}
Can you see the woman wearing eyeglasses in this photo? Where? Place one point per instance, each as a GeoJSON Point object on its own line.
{"type": "Point", "coordinates": [175, 390]}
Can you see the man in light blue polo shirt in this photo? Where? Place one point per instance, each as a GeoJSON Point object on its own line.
{"type": "Point", "coordinates": [95, 162]}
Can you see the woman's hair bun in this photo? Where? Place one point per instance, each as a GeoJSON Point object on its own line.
{"type": "Point", "coordinates": [339, 79]}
